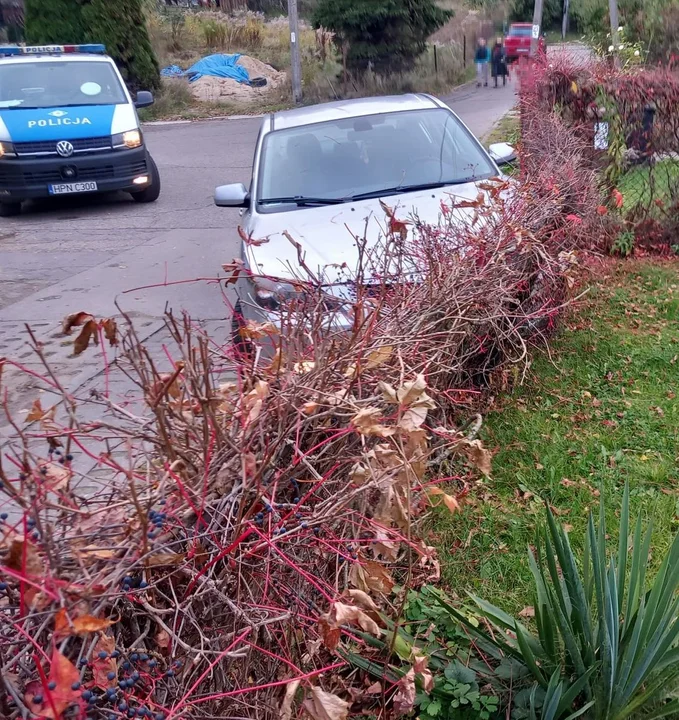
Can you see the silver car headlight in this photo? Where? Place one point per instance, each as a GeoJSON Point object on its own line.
{"type": "Point", "coordinates": [273, 295]}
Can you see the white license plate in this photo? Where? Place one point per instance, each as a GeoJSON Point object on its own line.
{"type": "Point", "coordinates": [78, 187]}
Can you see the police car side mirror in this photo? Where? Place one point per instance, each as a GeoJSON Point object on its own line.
{"type": "Point", "coordinates": [235, 195]}
{"type": "Point", "coordinates": [144, 99]}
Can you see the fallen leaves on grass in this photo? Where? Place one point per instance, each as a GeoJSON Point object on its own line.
{"type": "Point", "coordinates": [448, 500]}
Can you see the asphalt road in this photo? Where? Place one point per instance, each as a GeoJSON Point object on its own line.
{"type": "Point", "coordinates": [95, 253]}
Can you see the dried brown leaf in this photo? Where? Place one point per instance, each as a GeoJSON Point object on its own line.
{"type": "Point", "coordinates": [321, 705]}
{"type": "Point", "coordinates": [343, 614]}
{"type": "Point", "coordinates": [234, 268]}
{"type": "Point", "coordinates": [253, 402]}
{"type": "Point", "coordinates": [75, 320]}
{"type": "Point", "coordinates": [416, 414]}
{"type": "Point", "coordinates": [165, 559]}
{"type": "Point", "coordinates": [477, 455]}
{"type": "Point", "coordinates": [288, 699]}
{"type": "Point", "coordinates": [23, 557]}
{"type": "Point", "coordinates": [378, 357]}
{"type": "Point", "coordinates": [36, 412]}
{"type": "Point", "coordinates": [388, 392]}
{"type": "Point", "coordinates": [411, 391]}
{"type": "Point", "coordinates": [448, 500]}
{"type": "Point", "coordinates": [110, 328]}
{"type": "Point", "coordinates": [420, 663]}
{"type": "Point", "coordinates": [162, 639]}
{"type": "Point", "coordinates": [366, 423]}
{"type": "Point", "coordinates": [371, 576]}
{"type": "Point", "coordinates": [54, 475]}
{"type": "Point", "coordinates": [80, 625]}
{"type": "Point", "coordinates": [90, 330]}
{"type": "Point", "coordinates": [362, 600]}
{"type": "Point", "coordinates": [255, 331]}
{"type": "Point", "coordinates": [404, 699]}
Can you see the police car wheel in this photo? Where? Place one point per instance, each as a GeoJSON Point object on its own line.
{"type": "Point", "coordinates": [151, 193]}
{"type": "Point", "coordinates": [10, 209]}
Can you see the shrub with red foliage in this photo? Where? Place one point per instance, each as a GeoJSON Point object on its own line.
{"type": "Point", "coordinates": [641, 106]}
{"type": "Point", "coordinates": [215, 554]}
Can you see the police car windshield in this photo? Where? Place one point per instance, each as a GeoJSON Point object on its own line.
{"type": "Point", "coordinates": [58, 83]}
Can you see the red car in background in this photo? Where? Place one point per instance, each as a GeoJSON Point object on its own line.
{"type": "Point", "coordinates": [518, 41]}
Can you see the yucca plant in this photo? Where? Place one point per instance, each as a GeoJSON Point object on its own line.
{"type": "Point", "coordinates": [606, 643]}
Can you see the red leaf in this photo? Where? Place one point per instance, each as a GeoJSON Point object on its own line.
{"type": "Point", "coordinates": [63, 673]}
{"type": "Point", "coordinates": [102, 667]}
{"type": "Point", "coordinates": [618, 198]}
{"type": "Point", "coordinates": [574, 219]}
{"type": "Point", "coordinates": [602, 210]}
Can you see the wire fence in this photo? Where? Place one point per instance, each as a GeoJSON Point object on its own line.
{"type": "Point", "coordinates": [629, 119]}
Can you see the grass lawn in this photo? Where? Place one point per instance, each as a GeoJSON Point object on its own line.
{"type": "Point", "coordinates": [641, 185]}
{"type": "Point", "coordinates": [600, 408]}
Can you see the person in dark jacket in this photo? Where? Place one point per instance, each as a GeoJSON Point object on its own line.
{"type": "Point", "coordinates": [482, 59]}
{"type": "Point", "coordinates": [498, 62]}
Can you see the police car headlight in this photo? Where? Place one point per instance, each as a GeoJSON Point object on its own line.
{"type": "Point", "coordinates": [6, 148]}
{"type": "Point", "coordinates": [130, 139]}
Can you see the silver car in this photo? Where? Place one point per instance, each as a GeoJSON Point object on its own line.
{"type": "Point", "coordinates": [318, 177]}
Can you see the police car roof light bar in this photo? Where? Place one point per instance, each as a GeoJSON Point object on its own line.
{"type": "Point", "coordinates": [8, 50]}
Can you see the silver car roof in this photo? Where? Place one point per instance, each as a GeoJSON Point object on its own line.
{"type": "Point", "coordinates": [343, 109]}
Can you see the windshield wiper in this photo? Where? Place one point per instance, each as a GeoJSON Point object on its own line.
{"type": "Point", "coordinates": [411, 188]}
{"type": "Point", "coordinates": [300, 201]}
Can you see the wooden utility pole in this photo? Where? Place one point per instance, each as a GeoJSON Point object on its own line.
{"type": "Point", "coordinates": [537, 27]}
{"type": "Point", "coordinates": [295, 60]}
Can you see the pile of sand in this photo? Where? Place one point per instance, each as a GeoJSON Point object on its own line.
{"type": "Point", "coordinates": [225, 90]}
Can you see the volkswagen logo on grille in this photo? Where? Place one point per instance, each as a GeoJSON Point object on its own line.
{"type": "Point", "coordinates": [64, 148]}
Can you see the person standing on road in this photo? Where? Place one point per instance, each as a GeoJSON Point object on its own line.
{"type": "Point", "coordinates": [498, 62]}
{"type": "Point", "coordinates": [482, 58]}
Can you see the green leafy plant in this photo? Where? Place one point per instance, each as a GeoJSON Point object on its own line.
{"type": "Point", "coordinates": [457, 696]}
{"type": "Point", "coordinates": [606, 643]}
{"type": "Point", "coordinates": [623, 244]}
{"type": "Point", "coordinates": [627, 52]}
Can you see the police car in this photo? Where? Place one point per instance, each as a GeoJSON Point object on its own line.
{"type": "Point", "coordinates": [69, 126]}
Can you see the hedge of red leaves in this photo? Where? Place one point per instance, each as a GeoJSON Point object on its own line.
{"type": "Point", "coordinates": [639, 170]}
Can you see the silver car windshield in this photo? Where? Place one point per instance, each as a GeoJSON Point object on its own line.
{"type": "Point", "coordinates": [59, 83]}
{"type": "Point", "coordinates": [370, 156]}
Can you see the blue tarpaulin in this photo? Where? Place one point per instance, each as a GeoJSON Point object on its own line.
{"type": "Point", "coordinates": [172, 71]}
{"type": "Point", "coordinates": [225, 66]}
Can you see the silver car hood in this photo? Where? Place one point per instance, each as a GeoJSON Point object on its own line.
{"type": "Point", "coordinates": [326, 234]}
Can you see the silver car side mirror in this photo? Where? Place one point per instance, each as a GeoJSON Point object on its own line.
{"type": "Point", "coordinates": [235, 195]}
{"type": "Point", "coordinates": [502, 153]}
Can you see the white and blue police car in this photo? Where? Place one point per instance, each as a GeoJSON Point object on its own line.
{"type": "Point", "coordinates": [68, 125]}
